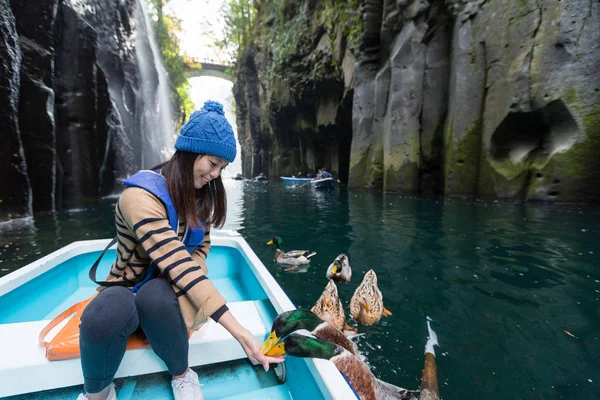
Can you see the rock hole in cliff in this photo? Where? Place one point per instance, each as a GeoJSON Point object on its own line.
{"type": "Point", "coordinates": [534, 137]}
{"type": "Point", "coordinates": [460, 162]}
{"type": "Point", "coordinates": [553, 193]}
{"type": "Point", "coordinates": [539, 175]}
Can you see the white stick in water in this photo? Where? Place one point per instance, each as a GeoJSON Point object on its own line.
{"type": "Point", "coordinates": [432, 340]}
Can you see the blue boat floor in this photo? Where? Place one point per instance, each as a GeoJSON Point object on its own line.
{"type": "Point", "coordinates": [234, 380]}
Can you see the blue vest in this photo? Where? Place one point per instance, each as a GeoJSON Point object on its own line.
{"type": "Point", "coordinates": [156, 184]}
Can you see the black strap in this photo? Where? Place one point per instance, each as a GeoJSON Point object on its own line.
{"type": "Point", "coordinates": [95, 267]}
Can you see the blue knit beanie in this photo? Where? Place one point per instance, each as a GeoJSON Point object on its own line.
{"type": "Point", "coordinates": [208, 132]}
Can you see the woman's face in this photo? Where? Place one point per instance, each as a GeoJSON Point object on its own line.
{"type": "Point", "coordinates": [207, 168]}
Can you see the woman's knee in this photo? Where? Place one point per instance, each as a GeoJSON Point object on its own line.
{"type": "Point", "coordinates": [156, 297]}
{"type": "Point", "coordinates": [112, 311]}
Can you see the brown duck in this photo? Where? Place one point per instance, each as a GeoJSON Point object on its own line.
{"type": "Point", "coordinates": [366, 305]}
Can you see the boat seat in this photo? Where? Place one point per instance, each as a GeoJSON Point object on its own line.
{"type": "Point", "coordinates": [21, 357]}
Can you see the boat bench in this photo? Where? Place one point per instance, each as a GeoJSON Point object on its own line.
{"type": "Point", "coordinates": [21, 356]}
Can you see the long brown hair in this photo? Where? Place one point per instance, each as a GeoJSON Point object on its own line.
{"type": "Point", "coordinates": [209, 203]}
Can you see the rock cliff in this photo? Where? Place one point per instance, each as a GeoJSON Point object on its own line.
{"type": "Point", "coordinates": [493, 99]}
{"type": "Point", "coordinates": [78, 99]}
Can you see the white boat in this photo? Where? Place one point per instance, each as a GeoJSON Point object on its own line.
{"type": "Point", "coordinates": [31, 296]}
{"type": "Point", "coordinates": [322, 183]}
{"type": "Point", "coordinates": [292, 179]}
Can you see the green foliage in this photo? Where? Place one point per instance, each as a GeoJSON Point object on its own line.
{"type": "Point", "coordinates": [187, 106]}
{"type": "Point", "coordinates": [285, 32]}
{"type": "Point", "coordinates": [346, 14]}
{"type": "Point", "coordinates": [166, 28]}
{"type": "Point", "coordinates": [287, 26]}
{"type": "Point", "coordinates": [287, 36]}
{"type": "Point", "coordinates": [238, 17]}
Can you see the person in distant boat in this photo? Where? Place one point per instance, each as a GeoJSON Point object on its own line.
{"type": "Point", "coordinates": [322, 174]}
{"type": "Point", "coordinates": [299, 175]}
{"type": "Point", "coordinates": [163, 220]}
{"type": "Point", "coordinates": [260, 177]}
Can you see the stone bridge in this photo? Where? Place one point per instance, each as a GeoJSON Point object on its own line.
{"type": "Point", "coordinates": [194, 67]}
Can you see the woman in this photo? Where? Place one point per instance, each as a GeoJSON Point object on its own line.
{"type": "Point", "coordinates": [164, 288]}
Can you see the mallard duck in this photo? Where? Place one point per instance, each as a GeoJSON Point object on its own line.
{"type": "Point", "coordinates": [366, 305]}
{"type": "Point", "coordinates": [294, 257]}
{"type": "Point", "coordinates": [339, 270]}
{"type": "Point", "coordinates": [329, 307]}
{"type": "Point", "coordinates": [291, 321]}
{"type": "Point", "coordinates": [364, 383]}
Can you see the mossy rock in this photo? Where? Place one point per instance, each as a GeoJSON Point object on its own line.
{"type": "Point", "coordinates": [462, 157]}
{"type": "Point", "coordinates": [367, 172]}
{"type": "Point", "coordinates": [405, 179]}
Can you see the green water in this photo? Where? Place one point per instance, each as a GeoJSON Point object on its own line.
{"type": "Point", "coordinates": [502, 282]}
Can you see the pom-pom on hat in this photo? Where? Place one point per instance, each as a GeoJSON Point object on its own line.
{"type": "Point", "coordinates": [208, 132]}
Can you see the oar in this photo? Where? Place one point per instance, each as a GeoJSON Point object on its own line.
{"type": "Point", "coordinates": [304, 184]}
{"type": "Point", "coordinates": [429, 383]}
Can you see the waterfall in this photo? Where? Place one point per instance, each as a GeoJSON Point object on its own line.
{"type": "Point", "coordinates": [158, 131]}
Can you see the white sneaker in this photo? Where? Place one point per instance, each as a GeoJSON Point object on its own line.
{"type": "Point", "coordinates": [112, 394]}
{"type": "Point", "coordinates": [188, 387]}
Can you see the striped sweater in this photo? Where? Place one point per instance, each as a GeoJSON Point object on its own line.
{"type": "Point", "coordinates": [144, 235]}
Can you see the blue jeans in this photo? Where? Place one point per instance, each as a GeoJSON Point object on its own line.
{"type": "Point", "coordinates": [115, 314]}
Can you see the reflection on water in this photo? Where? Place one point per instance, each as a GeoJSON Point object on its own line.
{"type": "Point", "coordinates": [503, 282]}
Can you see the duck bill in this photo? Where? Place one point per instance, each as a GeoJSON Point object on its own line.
{"type": "Point", "coordinates": [278, 350]}
{"type": "Point", "coordinates": [270, 242]}
{"type": "Point", "coordinates": [269, 343]}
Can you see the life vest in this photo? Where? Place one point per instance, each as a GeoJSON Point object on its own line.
{"type": "Point", "coordinates": [155, 183]}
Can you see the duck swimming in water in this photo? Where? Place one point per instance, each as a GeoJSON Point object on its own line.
{"type": "Point", "coordinates": [294, 257]}
{"type": "Point", "coordinates": [362, 380]}
{"type": "Point", "coordinates": [366, 305]}
{"type": "Point", "coordinates": [339, 270]}
{"type": "Point", "coordinates": [290, 321]}
{"type": "Point", "coordinates": [329, 307]}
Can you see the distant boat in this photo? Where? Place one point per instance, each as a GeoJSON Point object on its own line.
{"type": "Point", "coordinates": [239, 177]}
{"type": "Point", "coordinates": [291, 179]}
{"type": "Point", "coordinates": [322, 183]}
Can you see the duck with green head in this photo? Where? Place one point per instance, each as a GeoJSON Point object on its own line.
{"type": "Point", "coordinates": [364, 383]}
{"type": "Point", "coordinates": [294, 257]}
{"type": "Point", "coordinates": [294, 320]}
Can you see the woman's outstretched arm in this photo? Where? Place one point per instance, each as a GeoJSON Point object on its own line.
{"type": "Point", "coordinates": [248, 342]}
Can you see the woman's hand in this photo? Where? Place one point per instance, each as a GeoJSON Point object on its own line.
{"type": "Point", "coordinates": [248, 342]}
{"type": "Point", "coordinates": [252, 349]}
